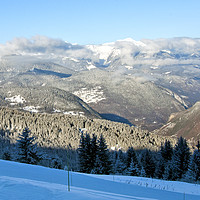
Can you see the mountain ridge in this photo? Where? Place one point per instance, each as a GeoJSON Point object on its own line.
{"type": "Point", "coordinates": [185, 124]}
{"type": "Point", "coordinates": [132, 74]}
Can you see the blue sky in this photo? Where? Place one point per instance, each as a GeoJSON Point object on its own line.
{"type": "Point", "coordinates": [99, 21]}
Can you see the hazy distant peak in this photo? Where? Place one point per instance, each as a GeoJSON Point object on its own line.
{"type": "Point", "coordinates": [136, 43]}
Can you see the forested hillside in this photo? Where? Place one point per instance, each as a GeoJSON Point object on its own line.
{"type": "Point", "coordinates": [59, 130]}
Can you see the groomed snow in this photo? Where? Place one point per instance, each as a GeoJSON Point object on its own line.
{"type": "Point", "coordinates": [21, 182]}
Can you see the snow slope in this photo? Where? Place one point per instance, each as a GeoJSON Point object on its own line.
{"type": "Point", "coordinates": [21, 181]}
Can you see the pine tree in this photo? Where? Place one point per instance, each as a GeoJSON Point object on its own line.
{"type": "Point", "coordinates": [119, 166]}
{"type": "Point", "coordinates": [103, 161]}
{"type": "Point", "coordinates": [160, 168]}
{"type": "Point", "coordinates": [133, 169]}
{"type": "Point", "coordinates": [93, 156]}
{"type": "Point", "coordinates": [148, 163]}
{"type": "Point", "coordinates": [85, 153]}
{"type": "Point", "coordinates": [164, 156]}
{"type": "Point", "coordinates": [180, 159]}
{"type": "Point", "coordinates": [131, 157]}
{"type": "Point", "coordinates": [27, 148]}
{"type": "Point", "coordinates": [94, 149]}
{"type": "Point", "coordinates": [88, 162]}
{"type": "Point", "coordinates": [168, 171]}
{"type": "Point", "coordinates": [193, 173]}
{"type": "Point", "coordinates": [81, 153]}
{"type": "Point", "coordinates": [6, 156]}
{"type": "Point", "coordinates": [166, 151]}
{"type": "Point", "coordinates": [142, 172]}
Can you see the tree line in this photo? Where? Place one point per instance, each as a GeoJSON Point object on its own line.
{"type": "Point", "coordinates": [169, 163]}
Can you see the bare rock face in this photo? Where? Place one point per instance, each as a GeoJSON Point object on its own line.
{"type": "Point", "coordinates": [60, 131]}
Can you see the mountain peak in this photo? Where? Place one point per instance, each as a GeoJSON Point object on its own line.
{"type": "Point", "coordinates": [137, 43]}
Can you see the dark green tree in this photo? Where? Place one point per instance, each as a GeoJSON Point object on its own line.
{"type": "Point", "coordinates": [168, 173]}
{"type": "Point", "coordinates": [119, 166]}
{"type": "Point", "coordinates": [93, 151]}
{"type": "Point", "coordinates": [166, 151]}
{"type": "Point", "coordinates": [180, 159]}
{"type": "Point", "coordinates": [148, 163]}
{"type": "Point", "coordinates": [85, 153]}
{"type": "Point", "coordinates": [27, 148]}
{"type": "Point", "coordinates": [103, 164]}
{"type": "Point", "coordinates": [164, 156]}
{"type": "Point", "coordinates": [131, 157]}
{"type": "Point", "coordinates": [193, 173]}
{"type": "Point", "coordinates": [133, 169]}
{"type": "Point", "coordinates": [160, 168]}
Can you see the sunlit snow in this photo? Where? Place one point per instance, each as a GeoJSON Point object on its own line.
{"type": "Point", "coordinates": [90, 66]}
{"type": "Point", "coordinates": [128, 67]}
{"type": "Point", "coordinates": [32, 108]}
{"type": "Point", "coordinates": [93, 95]}
{"type": "Point", "coordinates": [16, 99]}
{"type": "Point", "coordinates": [73, 113]}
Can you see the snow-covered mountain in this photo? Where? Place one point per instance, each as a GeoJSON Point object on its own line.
{"type": "Point", "coordinates": [21, 181]}
{"type": "Point", "coordinates": [141, 82]}
{"type": "Point", "coordinates": [129, 51]}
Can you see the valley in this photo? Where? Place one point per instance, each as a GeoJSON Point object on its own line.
{"type": "Point", "coordinates": [140, 83]}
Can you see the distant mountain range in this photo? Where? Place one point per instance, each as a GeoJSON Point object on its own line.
{"type": "Point", "coordinates": [136, 82]}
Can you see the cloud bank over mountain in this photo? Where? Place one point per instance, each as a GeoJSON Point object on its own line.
{"type": "Point", "coordinates": [41, 45]}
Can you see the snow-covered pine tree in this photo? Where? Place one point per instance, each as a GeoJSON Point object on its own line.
{"type": "Point", "coordinates": [148, 163]}
{"type": "Point", "coordinates": [164, 156]}
{"type": "Point", "coordinates": [142, 172]}
{"type": "Point", "coordinates": [168, 171]}
{"type": "Point", "coordinates": [133, 169]}
{"type": "Point", "coordinates": [160, 168]}
{"type": "Point", "coordinates": [27, 148]}
{"type": "Point", "coordinates": [119, 165]}
{"type": "Point", "coordinates": [193, 172]}
{"type": "Point", "coordinates": [180, 159]}
{"type": "Point", "coordinates": [98, 168]}
{"type": "Point", "coordinates": [131, 157]}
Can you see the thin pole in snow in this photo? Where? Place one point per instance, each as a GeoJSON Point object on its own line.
{"type": "Point", "coordinates": [68, 171]}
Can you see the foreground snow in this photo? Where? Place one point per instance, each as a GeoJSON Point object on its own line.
{"type": "Point", "coordinates": [21, 181]}
{"type": "Point", "coordinates": [172, 186]}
